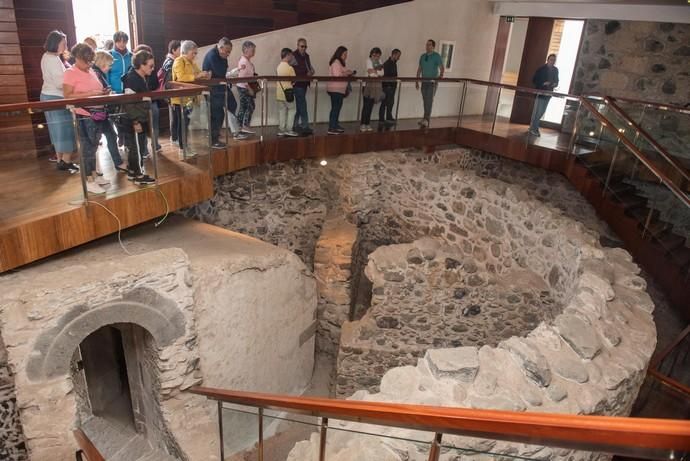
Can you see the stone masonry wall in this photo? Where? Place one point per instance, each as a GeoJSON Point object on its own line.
{"type": "Point", "coordinates": [332, 269]}
{"type": "Point", "coordinates": [12, 443]}
{"type": "Point", "coordinates": [635, 59]}
{"type": "Point", "coordinates": [591, 359]}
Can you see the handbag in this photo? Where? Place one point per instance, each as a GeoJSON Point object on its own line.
{"type": "Point", "coordinates": [289, 93]}
{"type": "Point", "coordinates": [348, 89]}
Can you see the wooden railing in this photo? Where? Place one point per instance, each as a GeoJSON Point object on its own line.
{"type": "Point", "coordinates": [87, 450]}
{"type": "Point", "coordinates": [641, 437]}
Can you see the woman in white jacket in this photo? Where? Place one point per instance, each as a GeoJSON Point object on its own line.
{"type": "Point", "coordinates": [59, 121]}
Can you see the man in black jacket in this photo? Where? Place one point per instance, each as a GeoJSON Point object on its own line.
{"type": "Point", "coordinates": [390, 70]}
{"type": "Point", "coordinates": [545, 78]}
{"type": "Point", "coordinates": [303, 68]}
{"type": "Point", "coordinates": [216, 61]}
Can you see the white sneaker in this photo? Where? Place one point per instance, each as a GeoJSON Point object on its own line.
{"type": "Point", "coordinates": [281, 134]}
{"type": "Point", "coordinates": [291, 134]}
{"type": "Point", "coordinates": [189, 153]}
{"type": "Point", "coordinates": [101, 181]}
{"type": "Point", "coordinates": [369, 128]}
{"type": "Point", "coordinates": [423, 123]}
{"type": "Point", "coordinates": [363, 128]}
{"type": "Point", "coordinates": [94, 188]}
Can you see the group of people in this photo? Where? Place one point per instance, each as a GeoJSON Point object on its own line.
{"type": "Point", "coordinates": [87, 71]}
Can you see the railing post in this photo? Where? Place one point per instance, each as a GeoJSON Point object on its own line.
{"type": "Point", "coordinates": [435, 450]}
{"type": "Point", "coordinates": [183, 132]}
{"type": "Point", "coordinates": [264, 98]}
{"type": "Point", "coordinates": [154, 154]}
{"type": "Point", "coordinates": [359, 100]}
{"type": "Point", "coordinates": [399, 85]}
{"type": "Point", "coordinates": [261, 434]}
{"type": "Point", "coordinates": [610, 172]}
{"type": "Point", "coordinates": [220, 430]}
{"type": "Point", "coordinates": [498, 102]}
{"type": "Point", "coordinates": [316, 101]}
{"type": "Point", "coordinates": [82, 171]}
{"type": "Point", "coordinates": [226, 118]}
{"type": "Point", "coordinates": [322, 439]}
{"type": "Point", "coordinates": [463, 96]}
{"type": "Point", "coordinates": [576, 128]}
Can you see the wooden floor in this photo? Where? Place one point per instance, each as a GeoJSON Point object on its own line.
{"type": "Point", "coordinates": [42, 210]}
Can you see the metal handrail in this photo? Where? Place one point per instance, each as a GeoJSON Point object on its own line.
{"type": "Point", "coordinates": [654, 438]}
{"type": "Point", "coordinates": [656, 105]}
{"type": "Point", "coordinates": [669, 158]}
{"type": "Point", "coordinates": [637, 153]}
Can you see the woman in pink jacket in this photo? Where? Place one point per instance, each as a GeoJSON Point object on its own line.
{"type": "Point", "coordinates": [337, 90]}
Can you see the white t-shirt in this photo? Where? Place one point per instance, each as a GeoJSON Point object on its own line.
{"type": "Point", "coordinates": [53, 71]}
{"type": "Point", "coordinates": [370, 65]}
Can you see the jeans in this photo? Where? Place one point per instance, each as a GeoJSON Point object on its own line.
{"type": "Point", "coordinates": [111, 138]}
{"type": "Point", "coordinates": [89, 136]}
{"type": "Point", "coordinates": [428, 92]}
{"type": "Point", "coordinates": [367, 108]}
{"type": "Point", "coordinates": [59, 127]}
{"type": "Point", "coordinates": [386, 108]}
{"type": "Point", "coordinates": [336, 105]}
{"type": "Point", "coordinates": [301, 115]}
{"type": "Point", "coordinates": [182, 125]}
{"type": "Point", "coordinates": [286, 115]}
{"type": "Point", "coordinates": [540, 106]}
{"type": "Point", "coordinates": [217, 102]}
{"type": "Point", "coordinates": [247, 106]}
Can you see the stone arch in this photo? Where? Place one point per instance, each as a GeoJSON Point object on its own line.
{"type": "Point", "coordinates": [144, 307]}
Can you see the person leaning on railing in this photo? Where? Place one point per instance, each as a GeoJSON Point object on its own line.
{"type": "Point", "coordinates": [337, 90]}
{"type": "Point", "coordinates": [100, 67]}
{"type": "Point", "coordinates": [59, 121]}
{"type": "Point", "coordinates": [247, 90]}
{"type": "Point", "coordinates": [545, 78]}
{"type": "Point", "coordinates": [216, 62]}
{"type": "Point", "coordinates": [185, 70]}
{"type": "Point", "coordinates": [155, 108]}
{"type": "Point", "coordinates": [285, 95]}
{"type": "Point", "coordinates": [135, 121]}
{"type": "Point", "coordinates": [81, 82]}
{"type": "Point", "coordinates": [164, 76]}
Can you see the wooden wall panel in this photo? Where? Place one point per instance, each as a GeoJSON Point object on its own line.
{"type": "Point", "coordinates": [16, 134]}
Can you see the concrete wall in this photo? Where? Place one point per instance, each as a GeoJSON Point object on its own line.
{"type": "Point", "coordinates": [469, 23]}
{"type": "Point", "coordinates": [635, 59]}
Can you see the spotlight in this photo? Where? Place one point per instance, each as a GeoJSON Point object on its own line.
{"type": "Point", "coordinates": [41, 126]}
{"type": "Point", "coordinates": [591, 133]}
{"type": "Point", "coordinates": [621, 130]}
{"type": "Point", "coordinates": [323, 163]}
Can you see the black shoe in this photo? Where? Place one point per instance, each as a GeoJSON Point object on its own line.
{"type": "Point", "coordinates": [340, 129]}
{"type": "Point", "coordinates": [132, 175]}
{"type": "Point", "coordinates": [334, 132]}
{"type": "Point", "coordinates": [144, 180]}
{"type": "Point", "coordinates": [218, 145]}
{"type": "Point", "coordinates": [67, 166]}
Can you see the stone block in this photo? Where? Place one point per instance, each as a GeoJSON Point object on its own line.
{"type": "Point", "coordinates": [579, 335]}
{"type": "Point", "coordinates": [531, 359]}
{"type": "Point", "coordinates": [461, 363]}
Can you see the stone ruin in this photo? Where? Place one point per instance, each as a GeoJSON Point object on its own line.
{"type": "Point", "coordinates": [484, 292]}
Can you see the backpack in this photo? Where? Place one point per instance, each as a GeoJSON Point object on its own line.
{"type": "Point", "coordinates": [163, 78]}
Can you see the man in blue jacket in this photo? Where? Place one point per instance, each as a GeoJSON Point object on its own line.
{"type": "Point", "coordinates": [122, 61]}
{"type": "Point", "coordinates": [545, 78]}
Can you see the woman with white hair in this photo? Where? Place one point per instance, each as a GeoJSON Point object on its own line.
{"type": "Point", "coordinates": [184, 69]}
{"type": "Point", "coordinates": [247, 90]}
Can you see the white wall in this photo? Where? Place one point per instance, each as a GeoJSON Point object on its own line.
{"type": "Point", "coordinates": [469, 23]}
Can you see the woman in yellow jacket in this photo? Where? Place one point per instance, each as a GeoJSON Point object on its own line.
{"type": "Point", "coordinates": [184, 69]}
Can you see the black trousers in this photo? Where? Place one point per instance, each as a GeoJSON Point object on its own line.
{"type": "Point", "coordinates": [386, 109]}
{"type": "Point", "coordinates": [217, 114]}
{"type": "Point", "coordinates": [182, 114]}
{"type": "Point", "coordinates": [136, 145]}
{"type": "Point", "coordinates": [367, 108]}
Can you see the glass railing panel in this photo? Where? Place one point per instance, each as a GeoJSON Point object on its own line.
{"type": "Point", "coordinates": [670, 128]}
{"type": "Point", "coordinates": [456, 447]}
{"type": "Point", "coordinates": [283, 431]}
{"type": "Point", "coordinates": [479, 107]}
{"type": "Point", "coordinates": [347, 440]}
{"type": "Point", "coordinates": [35, 184]}
{"type": "Point", "coordinates": [240, 431]}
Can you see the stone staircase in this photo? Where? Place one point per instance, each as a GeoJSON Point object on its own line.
{"type": "Point", "coordinates": [117, 442]}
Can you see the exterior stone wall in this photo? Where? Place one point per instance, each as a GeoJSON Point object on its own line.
{"type": "Point", "coordinates": [224, 311]}
{"type": "Point", "coordinates": [635, 59]}
{"type": "Point", "coordinates": [12, 443]}
{"type": "Point", "coordinates": [332, 269]}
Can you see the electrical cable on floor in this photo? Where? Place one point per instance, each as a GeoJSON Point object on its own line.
{"type": "Point", "coordinates": [119, 226]}
{"type": "Point", "coordinates": [167, 208]}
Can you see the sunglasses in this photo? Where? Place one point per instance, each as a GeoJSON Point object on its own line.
{"type": "Point", "coordinates": [303, 46]}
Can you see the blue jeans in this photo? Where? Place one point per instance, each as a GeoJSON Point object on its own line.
{"type": "Point", "coordinates": [89, 135]}
{"type": "Point", "coordinates": [59, 127]}
{"type": "Point", "coordinates": [428, 92]}
{"type": "Point", "coordinates": [336, 105]}
{"type": "Point", "coordinates": [302, 115]}
{"type": "Point", "coordinates": [540, 106]}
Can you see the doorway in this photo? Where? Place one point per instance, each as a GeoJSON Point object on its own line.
{"type": "Point", "coordinates": [105, 371]}
{"type": "Point", "coordinates": [100, 19]}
